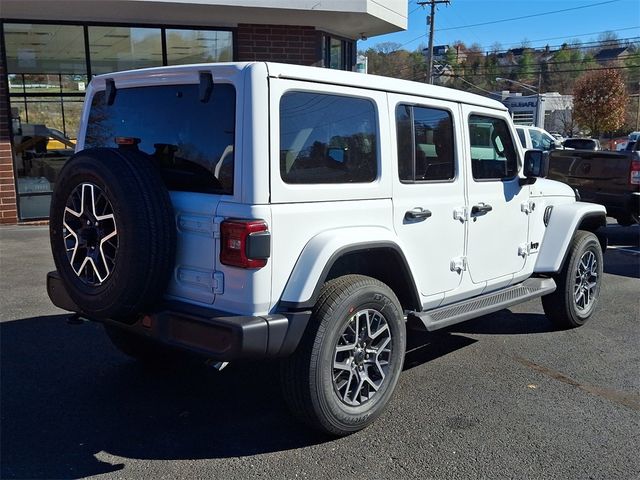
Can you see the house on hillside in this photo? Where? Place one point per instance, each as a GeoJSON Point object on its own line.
{"type": "Point", "coordinates": [612, 56]}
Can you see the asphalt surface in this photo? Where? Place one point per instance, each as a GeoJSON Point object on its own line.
{"type": "Point", "coordinates": [503, 396]}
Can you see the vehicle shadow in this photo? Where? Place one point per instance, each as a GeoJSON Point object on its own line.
{"type": "Point", "coordinates": [70, 400]}
{"type": "Point", "coordinates": [67, 395]}
{"type": "Point", "coordinates": [506, 322]}
{"type": "Point", "coordinates": [423, 346]}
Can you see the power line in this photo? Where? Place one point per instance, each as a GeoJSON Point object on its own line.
{"type": "Point", "coordinates": [514, 18]}
{"type": "Point", "coordinates": [530, 16]}
{"type": "Point", "coordinates": [572, 36]}
{"type": "Point", "coordinates": [484, 71]}
{"type": "Point", "coordinates": [552, 63]}
{"type": "Point", "coordinates": [487, 72]}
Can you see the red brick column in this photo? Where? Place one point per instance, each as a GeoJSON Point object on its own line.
{"type": "Point", "coordinates": [279, 43]}
{"type": "Point", "coordinates": [8, 205]}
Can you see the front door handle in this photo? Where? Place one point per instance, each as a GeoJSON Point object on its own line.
{"type": "Point", "coordinates": [417, 213]}
{"type": "Point", "coordinates": [481, 209]}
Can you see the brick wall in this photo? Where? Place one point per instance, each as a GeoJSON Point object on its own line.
{"type": "Point", "coordinates": [279, 43]}
{"type": "Point", "coordinates": [8, 208]}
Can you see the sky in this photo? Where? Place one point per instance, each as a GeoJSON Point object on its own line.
{"type": "Point", "coordinates": [586, 20]}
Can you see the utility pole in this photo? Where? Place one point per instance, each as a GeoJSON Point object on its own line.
{"type": "Point", "coordinates": [431, 20]}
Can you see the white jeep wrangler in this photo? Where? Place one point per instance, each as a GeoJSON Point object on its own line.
{"type": "Point", "coordinates": [261, 210]}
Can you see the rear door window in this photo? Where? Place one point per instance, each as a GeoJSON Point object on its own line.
{"type": "Point", "coordinates": [425, 144]}
{"type": "Point", "coordinates": [191, 141]}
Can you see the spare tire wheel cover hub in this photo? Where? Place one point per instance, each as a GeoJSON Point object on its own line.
{"type": "Point", "coordinates": [90, 234]}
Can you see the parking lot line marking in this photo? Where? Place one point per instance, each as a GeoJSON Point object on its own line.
{"type": "Point", "coordinates": [626, 399]}
{"type": "Point", "coordinates": [626, 250]}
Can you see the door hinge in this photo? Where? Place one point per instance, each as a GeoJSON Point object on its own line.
{"type": "Point", "coordinates": [458, 264]}
{"type": "Point", "coordinates": [523, 250]}
{"type": "Point", "coordinates": [528, 207]}
{"type": "Point", "coordinates": [461, 214]}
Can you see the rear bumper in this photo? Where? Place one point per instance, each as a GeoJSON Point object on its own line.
{"type": "Point", "coordinates": [214, 334]}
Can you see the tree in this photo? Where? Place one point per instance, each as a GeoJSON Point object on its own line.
{"type": "Point", "coordinates": [599, 101]}
{"type": "Point", "coordinates": [609, 39]}
{"type": "Point", "coordinates": [526, 65]}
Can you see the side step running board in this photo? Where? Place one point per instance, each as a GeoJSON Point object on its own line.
{"type": "Point", "coordinates": [484, 304]}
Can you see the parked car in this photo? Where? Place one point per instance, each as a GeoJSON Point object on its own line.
{"type": "Point", "coordinates": [536, 138]}
{"type": "Point", "coordinates": [557, 136]}
{"type": "Point", "coordinates": [582, 144]}
{"type": "Point", "coordinates": [608, 178]}
{"type": "Point", "coordinates": [265, 211]}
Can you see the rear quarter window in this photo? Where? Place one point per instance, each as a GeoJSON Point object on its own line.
{"type": "Point", "coordinates": [190, 141]}
{"type": "Point", "coordinates": [327, 139]}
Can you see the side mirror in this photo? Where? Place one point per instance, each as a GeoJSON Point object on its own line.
{"type": "Point", "coordinates": [337, 154]}
{"type": "Point", "coordinates": [536, 164]}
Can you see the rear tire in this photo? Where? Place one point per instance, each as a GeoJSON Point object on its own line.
{"type": "Point", "coordinates": [578, 284]}
{"type": "Point", "coordinates": [349, 360]}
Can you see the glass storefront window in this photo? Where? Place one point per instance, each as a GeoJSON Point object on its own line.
{"type": "Point", "coordinates": [43, 62]}
{"type": "Point", "coordinates": [16, 83]}
{"type": "Point", "coordinates": [335, 54]}
{"type": "Point", "coordinates": [198, 46]}
{"type": "Point", "coordinates": [338, 54]}
{"type": "Point", "coordinates": [72, 114]}
{"type": "Point", "coordinates": [112, 49]}
{"type": "Point", "coordinates": [48, 75]}
{"type": "Point", "coordinates": [35, 48]}
{"type": "Point", "coordinates": [73, 83]}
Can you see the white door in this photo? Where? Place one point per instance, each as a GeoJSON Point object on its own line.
{"type": "Point", "coordinates": [428, 187]}
{"type": "Point", "coordinates": [497, 203]}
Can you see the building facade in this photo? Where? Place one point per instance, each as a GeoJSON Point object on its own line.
{"type": "Point", "coordinates": [551, 111]}
{"type": "Point", "coordinates": [50, 50]}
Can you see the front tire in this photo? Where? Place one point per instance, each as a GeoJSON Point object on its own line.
{"type": "Point", "coordinates": [578, 284]}
{"type": "Point", "coordinates": [349, 360]}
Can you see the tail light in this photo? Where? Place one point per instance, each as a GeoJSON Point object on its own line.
{"type": "Point", "coordinates": [634, 173]}
{"type": "Point", "coordinates": [244, 243]}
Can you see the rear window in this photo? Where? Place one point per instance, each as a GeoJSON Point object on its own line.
{"type": "Point", "coordinates": [191, 141]}
{"type": "Point", "coordinates": [327, 139]}
{"type": "Point", "coordinates": [580, 143]}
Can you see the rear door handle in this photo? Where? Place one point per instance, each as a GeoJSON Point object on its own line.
{"type": "Point", "coordinates": [417, 213]}
{"type": "Point", "coordinates": [481, 209]}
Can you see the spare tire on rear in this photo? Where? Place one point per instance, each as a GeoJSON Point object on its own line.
{"type": "Point", "coordinates": [113, 232]}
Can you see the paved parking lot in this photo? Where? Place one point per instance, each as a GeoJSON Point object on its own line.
{"type": "Point", "coordinates": [504, 396]}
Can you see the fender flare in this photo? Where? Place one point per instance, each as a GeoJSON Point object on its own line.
{"type": "Point", "coordinates": [564, 221]}
{"type": "Point", "coordinates": [324, 250]}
